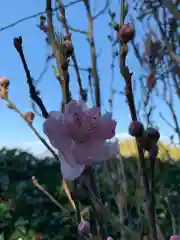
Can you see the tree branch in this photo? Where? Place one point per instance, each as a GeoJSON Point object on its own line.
{"type": "Point", "coordinates": [33, 93]}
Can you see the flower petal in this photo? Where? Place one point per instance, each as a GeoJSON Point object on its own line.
{"type": "Point", "coordinates": [68, 172]}
{"type": "Point", "coordinates": [175, 237]}
{"type": "Point", "coordinates": [55, 130]}
{"type": "Point", "coordinates": [107, 151]}
{"type": "Point", "coordinates": [93, 113]}
{"type": "Point", "coordinates": [90, 120]}
{"type": "Point", "coordinates": [74, 107]}
{"type": "Point", "coordinates": [94, 151]}
{"type": "Point", "coordinates": [107, 126]}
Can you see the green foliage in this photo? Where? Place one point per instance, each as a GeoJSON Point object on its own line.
{"type": "Point", "coordinates": [25, 211]}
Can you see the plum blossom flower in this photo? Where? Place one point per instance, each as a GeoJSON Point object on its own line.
{"type": "Point", "coordinates": [80, 136]}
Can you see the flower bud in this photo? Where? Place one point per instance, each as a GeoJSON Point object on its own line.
{"type": "Point", "coordinates": [42, 20]}
{"type": "Point", "coordinates": [145, 142]}
{"type": "Point", "coordinates": [29, 117]}
{"type": "Point", "coordinates": [18, 43]}
{"type": "Point", "coordinates": [149, 139]}
{"type": "Point", "coordinates": [136, 129]}
{"type": "Point", "coordinates": [58, 76]}
{"type": "Point", "coordinates": [126, 33]}
{"type": "Point", "coordinates": [69, 47]}
{"type": "Point", "coordinates": [153, 134]}
{"type": "Point", "coordinates": [4, 82]}
{"type": "Point", "coordinates": [84, 227]}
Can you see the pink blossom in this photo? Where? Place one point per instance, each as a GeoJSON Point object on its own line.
{"type": "Point", "coordinates": [80, 136]}
{"type": "Point", "coordinates": [110, 238]}
{"type": "Point", "coordinates": [175, 237]}
{"type": "Point", "coordinates": [4, 82]}
{"type": "Point", "coordinates": [126, 33]}
{"type": "Point", "coordinates": [29, 116]}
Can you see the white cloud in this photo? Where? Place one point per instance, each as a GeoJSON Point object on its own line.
{"type": "Point", "coordinates": [34, 146]}
{"type": "Point", "coordinates": [32, 143]}
{"type": "Point", "coordinates": [123, 135]}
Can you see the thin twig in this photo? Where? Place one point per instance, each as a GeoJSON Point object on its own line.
{"type": "Point", "coordinates": [172, 54]}
{"type": "Point", "coordinates": [33, 93]}
{"type": "Point", "coordinates": [36, 15]}
{"type": "Point", "coordinates": [62, 64]}
{"type": "Point", "coordinates": [37, 185]}
{"type": "Point", "coordinates": [130, 99]}
{"type": "Point", "coordinates": [57, 53]}
{"type": "Point", "coordinates": [93, 53]}
{"type": "Point", "coordinates": [124, 70]}
{"type": "Point", "coordinates": [32, 128]}
{"type": "Point", "coordinates": [66, 26]}
{"type": "Point", "coordinates": [94, 71]}
{"type": "Point", "coordinates": [102, 11]}
{"type": "Point", "coordinates": [76, 30]}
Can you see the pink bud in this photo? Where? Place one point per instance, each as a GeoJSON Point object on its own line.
{"type": "Point", "coordinates": [175, 237]}
{"type": "Point", "coordinates": [136, 129]}
{"type": "Point", "coordinates": [110, 238]}
{"type": "Point", "coordinates": [126, 33]}
{"type": "Point", "coordinates": [84, 227]}
{"type": "Point", "coordinates": [29, 116]}
{"type": "Point", "coordinates": [4, 82]}
{"type": "Point", "coordinates": [153, 133]}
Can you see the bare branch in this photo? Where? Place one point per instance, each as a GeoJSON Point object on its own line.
{"type": "Point", "coordinates": [78, 30]}
{"type": "Point", "coordinates": [33, 93]}
{"type": "Point", "coordinates": [93, 53]}
{"type": "Point", "coordinates": [66, 26]}
{"type": "Point", "coordinates": [103, 10]}
{"type": "Point", "coordinates": [60, 60]}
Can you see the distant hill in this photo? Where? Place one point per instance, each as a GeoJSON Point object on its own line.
{"type": "Point", "coordinates": [128, 148]}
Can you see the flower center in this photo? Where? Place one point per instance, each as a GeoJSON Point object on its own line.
{"type": "Point", "coordinates": [84, 126]}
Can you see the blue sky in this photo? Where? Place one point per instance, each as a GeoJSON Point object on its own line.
{"type": "Point", "coordinates": [14, 132]}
